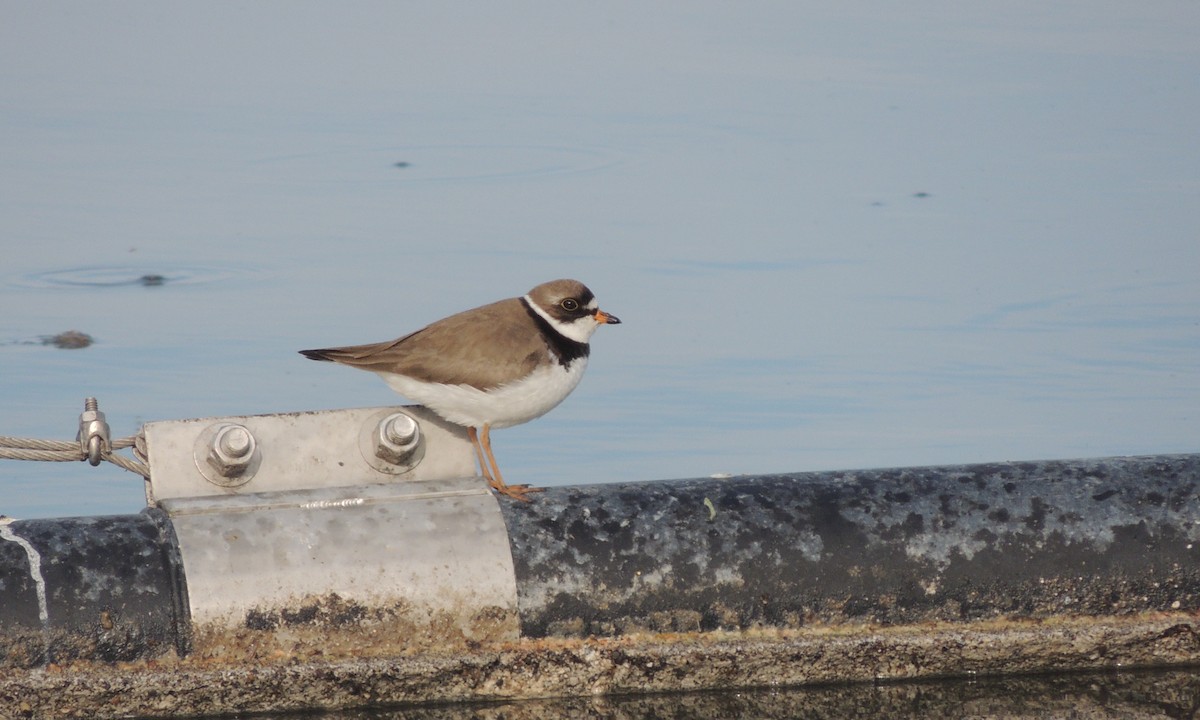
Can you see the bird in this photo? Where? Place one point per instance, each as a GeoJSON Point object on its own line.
{"type": "Point", "coordinates": [490, 367]}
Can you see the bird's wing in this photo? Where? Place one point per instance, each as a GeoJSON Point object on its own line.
{"type": "Point", "coordinates": [478, 348]}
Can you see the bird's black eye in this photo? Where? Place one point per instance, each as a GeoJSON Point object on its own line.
{"type": "Point", "coordinates": [570, 304]}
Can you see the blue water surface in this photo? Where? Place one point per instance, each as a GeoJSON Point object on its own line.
{"type": "Point", "coordinates": [838, 235]}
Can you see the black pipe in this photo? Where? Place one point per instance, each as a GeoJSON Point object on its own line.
{"type": "Point", "coordinates": [105, 588]}
{"type": "Point", "coordinates": [1027, 539]}
{"type": "Point", "coordinates": [1014, 539]}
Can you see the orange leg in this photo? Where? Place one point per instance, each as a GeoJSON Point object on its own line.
{"type": "Point", "coordinates": [496, 481]}
{"type": "Point", "coordinates": [483, 467]}
{"type": "Point", "coordinates": [486, 440]}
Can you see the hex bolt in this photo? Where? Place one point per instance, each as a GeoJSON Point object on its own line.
{"type": "Point", "coordinates": [397, 437]}
{"type": "Point", "coordinates": [236, 441]}
{"type": "Point", "coordinates": [400, 429]}
{"type": "Point", "coordinates": [232, 451]}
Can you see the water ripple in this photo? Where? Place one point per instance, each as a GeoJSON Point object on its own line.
{"type": "Point", "coordinates": [447, 163]}
{"type": "Point", "coordinates": [102, 276]}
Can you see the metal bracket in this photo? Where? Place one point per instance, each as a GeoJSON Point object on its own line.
{"type": "Point", "coordinates": [217, 457]}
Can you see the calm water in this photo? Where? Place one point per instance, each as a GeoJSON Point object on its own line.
{"type": "Point", "coordinates": [838, 236]}
{"type": "Point", "coordinates": [1100, 696]}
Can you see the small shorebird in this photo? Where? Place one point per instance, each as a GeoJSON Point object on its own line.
{"type": "Point", "coordinates": [495, 366]}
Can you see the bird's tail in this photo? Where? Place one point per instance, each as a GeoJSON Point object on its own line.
{"type": "Point", "coordinates": [364, 357]}
{"type": "Point", "coordinates": [323, 354]}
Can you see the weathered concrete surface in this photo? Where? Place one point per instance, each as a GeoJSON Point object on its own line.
{"type": "Point", "coordinates": [1019, 539]}
{"type": "Point", "coordinates": [635, 663]}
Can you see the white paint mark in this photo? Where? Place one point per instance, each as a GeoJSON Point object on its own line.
{"type": "Point", "coordinates": [35, 571]}
{"type": "Point", "coordinates": [322, 504]}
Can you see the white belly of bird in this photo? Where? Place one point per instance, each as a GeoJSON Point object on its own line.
{"type": "Point", "coordinates": [517, 402]}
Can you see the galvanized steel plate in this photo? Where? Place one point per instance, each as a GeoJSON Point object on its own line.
{"type": "Point", "coordinates": [434, 551]}
{"type": "Point", "coordinates": [299, 450]}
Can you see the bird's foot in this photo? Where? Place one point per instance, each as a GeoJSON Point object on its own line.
{"type": "Point", "coordinates": [517, 492]}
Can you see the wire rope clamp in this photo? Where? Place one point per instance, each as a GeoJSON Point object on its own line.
{"type": "Point", "coordinates": [227, 454]}
{"type": "Point", "coordinates": [94, 439]}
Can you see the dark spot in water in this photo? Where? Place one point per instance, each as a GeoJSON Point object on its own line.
{"type": "Point", "coordinates": [152, 280]}
{"type": "Point", "coordinates": [69, 340]}
{"type": "Point", "coordinates": [921, 195]}
{"type": "Point", "coordinates": [402, 164]}
{"type": "Point", "coordinates": [1098, 497]}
